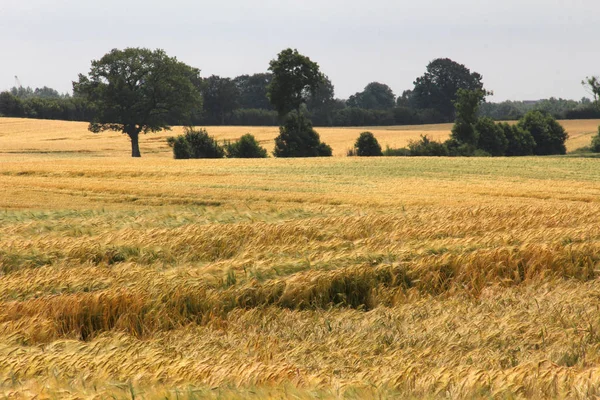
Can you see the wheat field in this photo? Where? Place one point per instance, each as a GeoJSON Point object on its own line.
{"type": "Point", "coordinates": [29, 136]}
{"type": "Point", "coordinates": [343, 277]}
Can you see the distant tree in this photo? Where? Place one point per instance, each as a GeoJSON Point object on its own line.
{"type": "Point", "coordinates": [549, 135]}
{"type": "Point", "coordinates": [10, 105]}
{"type": "Point", "coordinates": [491, 137]}
{"type": "Point", "coordinates": [367, 145]}
{"type": "Point", "coordinates": [438, 87]}
{"type": "Point", "coordinates": [375, 96]}
{"type": "Point", "coordinates": [297, 138]}
{"type": "Point", "coordinates": [406, 99]}
{"type": "Point", "coordinates": [195, 143]}
{"type": "Point", "coordinates": [520, 141]}
{"type": "Point", "coordinates": [252, 91]}
{"type": "Point", "coordinates": [467, 105]}
{"type": "Point", "coordinates": [295, 78]}
{"type": "Point", "coordinates": [504, 111]}
{"type": "Point", "coordinates": [220, 96]}
{"type": "Point", "coordinates": [322, 103]}
{"type": "Point", "coordinates": [246, 147]}
{"type": "Point", "coordinates": [138, 90]}
{"type": "Point", "coordinates": [22, 92]}
{"type": "Point", "coordinates": [47, 93]}
{"type": "Point", "coordinates": [593, 85]}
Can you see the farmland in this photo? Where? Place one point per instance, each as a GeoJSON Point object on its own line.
{"type": "Point", "coordinates": [313, 278]}
{"type": "Point", "coordinates": [29, 136]}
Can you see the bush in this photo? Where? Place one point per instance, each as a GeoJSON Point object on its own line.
{"type": "Point", "coordinates": [548, 134]}
{"type": "Point", "coordinates": [195, 144]}
{"type": "Point", "coordinates": [491, 137]}
{"type": "Point", "coordinates": [246, 147]}
{"type": "Point", "coordinates": [595, 147]}
{"type": "Point", "coordinates": [520, 142]}
{"type": "Point", "coordinates": [367, 145]}
{"type": "Point", "coordinates": [401, 152]}
{"type": "Point", "coordinates": [297, 138]}
{"type": "Point", "coordinates": [427, 147]}
{"type": "Point", "coordinates": [459, 149]}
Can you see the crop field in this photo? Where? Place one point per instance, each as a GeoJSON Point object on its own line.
{"type": "Point", "coordinates": [18, 136]}
{"type": "Point", "coordinates": [337, 277]}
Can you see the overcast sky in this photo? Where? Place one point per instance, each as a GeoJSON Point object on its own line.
{"type": "Point", "coordinates": [525, 49]}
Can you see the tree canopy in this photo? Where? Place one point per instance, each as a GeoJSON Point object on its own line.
{"type": "Point", "coordinates": [467, 105]}
{"type": "Point", "coordinates": [438, 87]}
{"type": "Point", "coordinates": [139, 90]}
{"type": "Point", "coordinates": [375, 96]}
{"type": "Point", "coordinates": [295, 78]}
{"type": "Point", "coordinates": [252, 91]}
{"type": "Point", "coordinates": [220, 98]}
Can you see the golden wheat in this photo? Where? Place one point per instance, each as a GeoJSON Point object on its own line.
{"type": "Point", "coordinates": [320, 278]}
{"type": "Point", "coordinates": [29, 136]}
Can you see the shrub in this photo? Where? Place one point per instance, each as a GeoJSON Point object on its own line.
{"type": "Point", "coordinates": [297, 138]}
{"type": "Point", "coordinates": [548, 134]}
{"type": "Point", "coordinates": [491, 137]}
{"type": "Point", "coordinates": [520, 142]}
{"type": "Point", "coordinates": [427, 147]}
{"type": "Point", "coordinates": [391, 152]}
{"type": "Point", "coordinates": [195, 144]}
{"type": "Point", "coordinates": [464, 133]}
{"type": "Point", "coordinates": [459, 149]}
{"type": "Point", "coordinates": [367, 145]}
{"type": "Point", "coordinates": [595, 147]}
{"type": "Point", "coordinates": [246, 147]}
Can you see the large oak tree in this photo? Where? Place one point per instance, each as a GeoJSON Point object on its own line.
{"type": "Point", "coordinates": [138, 90]}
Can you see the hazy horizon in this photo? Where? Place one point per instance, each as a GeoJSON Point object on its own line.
{"type": "Point", "coordinates": [525, 50]}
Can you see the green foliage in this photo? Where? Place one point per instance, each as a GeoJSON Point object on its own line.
{"type": "Point", "coordinates": [367, 145]}
{"type": "Point", "coordinates": [321, 104]}
{"type": "Point", "coordinates": [520, 141]}
{"type": "Point", "coordinates": [297, 138]}
{"type": "Point", "coordinates": [548, 134]}
{"type": "Point", "coordinates": [393, 152]}
{"type": "Point", "coordinates": [220, 98]}
{"type": "Point", "coordinates": [252, 91]}
{"type": "Point", "coordinates": [253, 117]}
{"type": "Point", "coordinates": [559, 108]}
{"type": "Point", "coordinates": [491, 137]}
{"type": "Point", "coordinates": [195, 143]}
{"type": "Point", "coordinates": [467, 105]}
{"type": "Point", "coordinates": [138, 90]}
{"type": "Point", "coordinates": [427, 147]}
{"type": "Point", "coordinates": [375, 96]}
{"type": "Point", "coordinates": [593, 85]}
{"type": "Point", "coordinates": [295, 78]}
{"type": "Point", "coordinates": [459, 149]}
{"type": "Point", "coordinates": [438, 87]}
{"type": "Point", "coordinates": [10, 105]}
{"type": "Point", "coordinates": [246, 147]}
{"type": "Point", "coordinates": [595, 147]}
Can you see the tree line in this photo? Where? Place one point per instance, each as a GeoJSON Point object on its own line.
{"type": "Point", "coordinates": [243, 100]}
{"type": "Point", "coordinates": [137, 90]}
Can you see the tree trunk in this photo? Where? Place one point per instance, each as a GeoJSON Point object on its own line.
{"type": "Point", "coordinates": [135, 146]}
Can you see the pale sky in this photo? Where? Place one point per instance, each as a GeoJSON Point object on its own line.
{"type": "Point", "coordinates": [525, 49]}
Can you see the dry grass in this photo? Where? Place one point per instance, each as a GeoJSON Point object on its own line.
{"type": "Point", "coordinates": [323, 278]}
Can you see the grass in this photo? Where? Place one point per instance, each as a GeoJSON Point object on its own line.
{"type": "Point", "coordinates": [316, 278]}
